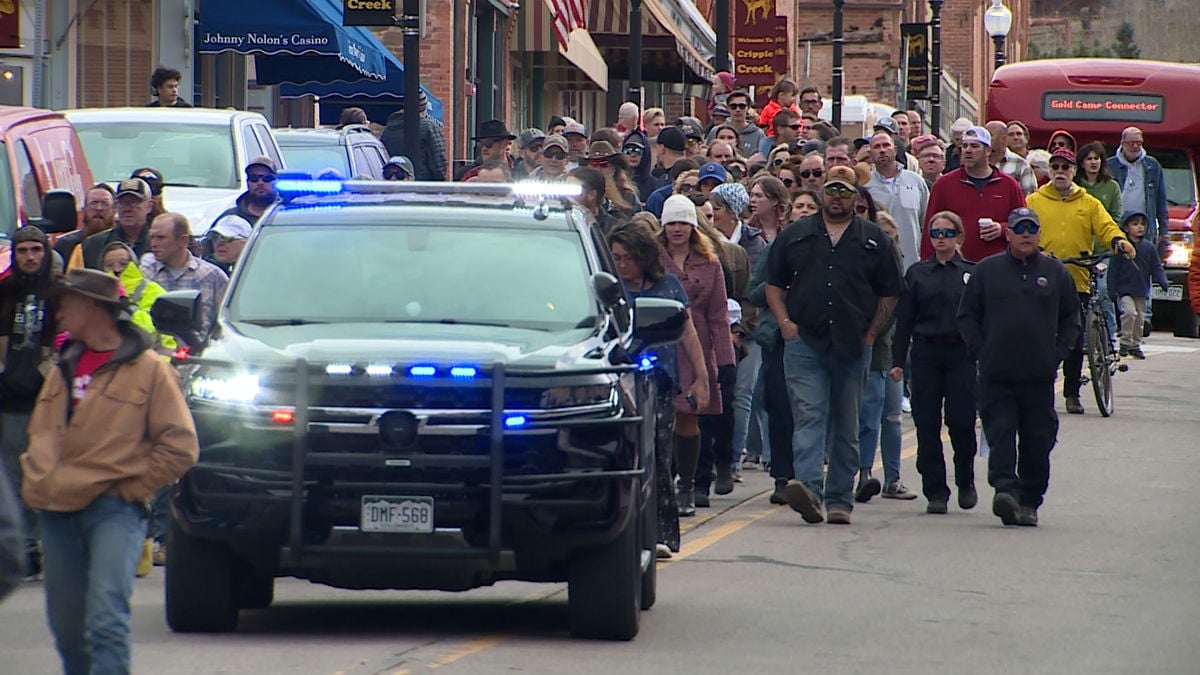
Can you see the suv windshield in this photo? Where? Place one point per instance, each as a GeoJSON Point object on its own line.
{"type": "Point", "coordinates": [524, 278]}
{"type": "Point", "coordinates": [316, 159]}
{"type": "Point", "coordinates": [1177, 173]}
{"type": "Point", "coordinates": [192, 155]}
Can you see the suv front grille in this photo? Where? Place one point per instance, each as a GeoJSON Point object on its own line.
{"type": "Point", "coordinates": [415, 397]}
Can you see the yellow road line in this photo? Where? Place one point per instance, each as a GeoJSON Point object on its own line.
{"type": "Point", "coordinates": [473, 647]}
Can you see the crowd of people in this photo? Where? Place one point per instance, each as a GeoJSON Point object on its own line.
{"type": "Point", "coordinates": [871, 304]}
{"type": "Point", "coordinates": [832, 284]}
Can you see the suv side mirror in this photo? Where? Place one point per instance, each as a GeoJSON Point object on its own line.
{"type": "Point", "coordinates": [658, 321]}
{"type": "Point", "coordinates": [177, 313]}
{"type": "Point", "coordinates": [59, 213]}
{"type": "Point", "coordinates": [608, 288]}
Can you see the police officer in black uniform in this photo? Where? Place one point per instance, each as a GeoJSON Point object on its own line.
{"type": "Point", "coordinates": [943, 370]}
{"type": "Point", "coordinates": [1019, 316]}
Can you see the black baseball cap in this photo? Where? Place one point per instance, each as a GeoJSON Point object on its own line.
{"type": "Point", "coordinates": [672, 138]}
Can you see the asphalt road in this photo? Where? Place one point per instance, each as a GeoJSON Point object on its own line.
{"type": "Point", "coordinates": [1107, 584]}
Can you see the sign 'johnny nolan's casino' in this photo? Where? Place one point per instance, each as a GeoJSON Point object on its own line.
{"type": "Point", "coordinates": [265, 40]}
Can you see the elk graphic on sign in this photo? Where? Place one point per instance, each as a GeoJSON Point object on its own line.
{"type": "Point", "coordinates": [753, 7]}
{"type": "Point", "coordinates": [916, 44]}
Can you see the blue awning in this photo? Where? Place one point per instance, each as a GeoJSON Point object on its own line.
{"type": "Point", "coordinates": [293, 40]}
{"type": "Point", "coordinates": [388, 91]}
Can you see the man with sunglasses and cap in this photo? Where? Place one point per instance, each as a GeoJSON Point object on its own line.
{"type": "Point", "coordinates": [1019, 316]}
{"type": "Point", "coordinates": [636, 150]}
{"type": "Point", "coordinates": [134, 204]}
{"type": "Point", "coordinates": [260, 195]}
{"type": "Point", "coordinates": [109, 429]}
{"type": "Point", "coordinates": [833, 280]}
{"type": "Point", "coordinates": [1072, 221]}
{"type": "Point", "coordinates": [554, 160]}
{"type": "Point", "coordinates": [529, 145]}
{"type": "Point", "coordinates": [492, 140]}
{"type": "Point", "coordinates": [399, 168]}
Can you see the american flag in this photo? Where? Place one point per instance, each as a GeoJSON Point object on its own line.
{"type": "Point", "coordinates": [568, 15]}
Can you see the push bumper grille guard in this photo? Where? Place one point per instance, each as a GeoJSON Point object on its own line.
{"type": "Point", "coordinates": [494, 461]}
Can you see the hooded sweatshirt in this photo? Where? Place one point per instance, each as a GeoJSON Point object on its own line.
{"type": "Point", "coordinates": [1133, 277]}
{"type": "Point", "coordinates": [1071, 224]}
{"type": "Point", "coordinates": [1062, 132]}
{"type": "Point", "coordinates": [642, 177]}
{"type": "Point", "coordinates": [26, 327]}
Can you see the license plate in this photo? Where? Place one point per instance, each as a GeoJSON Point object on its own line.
{"type": "Point", "coordinates": [406, 515]}
{"type": "Point", "coordinates": [1174, 293]}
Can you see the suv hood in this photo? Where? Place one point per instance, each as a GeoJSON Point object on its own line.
{"type": "Point", "coordinates": [402, 344]}
{"type": "Point", "coordinates": [200, 205]}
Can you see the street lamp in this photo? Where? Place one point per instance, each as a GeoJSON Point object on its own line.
{"type": "Point", "coordinates": [997, 21]}
{"type": "Point", "coordinates": [935, 92]}
{"type": "Point", "coordinates": [838, 70]}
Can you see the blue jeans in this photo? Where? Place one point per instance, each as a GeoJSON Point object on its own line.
{"type": "Point", "coordinates": [879, 424]}
{"type": "Point", "coordinates": [743, 404]}
{"type": "Point", "coordinates": [89, 560]}
{"type": "Point", "coordinates": [826, 395]}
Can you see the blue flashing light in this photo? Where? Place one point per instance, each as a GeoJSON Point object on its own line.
{"type": "Point", "coordinates": [422, 371]}
{"type": "Point", "coordinates": [515, 421]}
{"type": "Point", "coordinates": [463, 372]}
{"type": "Point", "coordinates": [308, 186]}
{"type": "Point", "coordinates": [647, 362]}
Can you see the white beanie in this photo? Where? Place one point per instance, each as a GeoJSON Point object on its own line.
{"type": "Point", "coordinates": [679, 209]}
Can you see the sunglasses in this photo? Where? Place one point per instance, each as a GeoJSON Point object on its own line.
{"type": "Point", "coordinates": [779, 161]}
{"type": "Point", "coordinates": [840, 191]}
{"type": "Point", "coordinates": [557, 154]}
{"type": "Point", "coordinates": [687, 187]}
{"type": "Point", "coordinates": [633, 150]}
{"type": "Point", "coordinates": [812, 173]}
{"type": "Point", "coordinates": [222, 239]}
{"type": "Point", "coordinates": [1024, 227]}
{"type": "Point", "coordinates": [943, 233]}
{"type": "Point", "coordinates": [1059, 166]}
{"type": "Point", "coordinates": [788, 182]}
{"type": "Point", "coordinates": [260, 178]}
{"type": "Point", "coordinates": [598, 163]}
{"type": "Point", "coordinates": [737, 106]}
{"type": "Point", "coordinates": [393, 174]}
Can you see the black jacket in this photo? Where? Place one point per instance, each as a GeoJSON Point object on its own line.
{"type": "Point", "coordinates": [1019, 318]}
{"type": "Point", "coordinates": [27, 327]}
{"type": "Point", "coordinates": [643, 178]}
{"type": "Point", "coordinates": [430, 163]}
{"type": "Point", "coordinates": [93, 246]}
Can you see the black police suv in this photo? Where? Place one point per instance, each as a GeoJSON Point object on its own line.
{"type": "Point", "coordinates": [419, 386]}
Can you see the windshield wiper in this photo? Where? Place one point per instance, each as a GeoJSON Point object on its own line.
{"type": "Point", "coordinates": [171, 184]}
{"type": "Point", "coordinates": [454, 322]}
{"type": "Point", "coordinates": [1172, 202]}
{"type": "Point", "coordinates": [271, 323]}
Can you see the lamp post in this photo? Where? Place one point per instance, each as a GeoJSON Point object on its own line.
{"type": "Point", "coordinates": [997, 21]}
{"type": "Point", "coordinates": [837, 63]}
{"type": "Point", "coordinates": [935, 49]}
{"type": "Point", "coordinates": [635, 51]}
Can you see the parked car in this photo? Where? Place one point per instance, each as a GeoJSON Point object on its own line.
{"type": "Point", "coordinates": [200, 152]}
{"type": "Point", "coordinates": [351, 151]}
{"type": "Point", "coordinates": [41, 153]}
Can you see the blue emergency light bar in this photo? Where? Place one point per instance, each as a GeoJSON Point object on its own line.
{"type": "Point", "coordinates": [297, 184]}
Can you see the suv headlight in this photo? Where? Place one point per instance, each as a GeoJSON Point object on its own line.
{"type": "Point", "coordinates": [571, 397]}
{"type": "Point", "coordinates": [1179, 250]}
{"type": "Point", "coordinates": [225, 389]}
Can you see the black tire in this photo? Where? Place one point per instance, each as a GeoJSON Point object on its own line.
{"type": "Point", "coordinates": [255, 588]}
{"type": "Point", "coordinates": [649, 537]}
{"type": "Point", "coordinates": [1185, 320]}
{"type": "Point", "coordinates": [1099, 353]}
{"type": "Point", "coordinates": [605, 586]}
{"type": "Point", "coordinates": [199, 584]}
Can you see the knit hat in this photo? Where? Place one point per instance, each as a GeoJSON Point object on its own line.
{"type": "Point", "coordinates": [679, 209]}
{"type": "Point", "coordinates": [727, 79]}
{"type": "Point", "coordinates": [734, 195]}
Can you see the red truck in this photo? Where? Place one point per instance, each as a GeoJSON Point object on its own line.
{"type": "Point", "coordinates": [1095, 99]}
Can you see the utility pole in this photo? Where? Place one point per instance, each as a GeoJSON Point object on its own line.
{"type": "Point", "coordinates": [635, 51]}
{"type": "Point", "coordinates": [410, 22]}
{"type": "Point", "coordinates": [837, 63]}
{"type": "Point", "coordinates": [722, 27]}
{"type": "Point", "coordinates": [935, 89]}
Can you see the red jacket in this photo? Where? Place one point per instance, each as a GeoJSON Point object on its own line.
{"type": "Point", "coordinates": [766, 119]}
{"type": "Point", "coordinates": [955, 192]}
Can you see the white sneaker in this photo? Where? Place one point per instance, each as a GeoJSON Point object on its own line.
{"type": "Point", "coordinates": [905, 405]}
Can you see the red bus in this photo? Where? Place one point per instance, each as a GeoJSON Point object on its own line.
{"type": "Point", "coordinates": [1095, 99]}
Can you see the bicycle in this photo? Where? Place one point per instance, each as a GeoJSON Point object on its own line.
{"type": "Point", "coordinates": [1103, 360]}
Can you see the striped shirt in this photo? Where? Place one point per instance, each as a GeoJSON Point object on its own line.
{"type": "Point", "coordinates": [195, 275]}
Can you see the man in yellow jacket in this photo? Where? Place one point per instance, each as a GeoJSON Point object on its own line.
{"type": "Point", "coordinates": [110, 427]}
{"type": "Point", "coordinates": [1072, 220]}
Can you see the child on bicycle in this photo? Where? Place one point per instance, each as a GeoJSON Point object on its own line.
{"type": "Point", "coordinates": [1129, 283]}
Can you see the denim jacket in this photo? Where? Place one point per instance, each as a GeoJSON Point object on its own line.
{"type": "Point", "coordinates": [1156, 193]}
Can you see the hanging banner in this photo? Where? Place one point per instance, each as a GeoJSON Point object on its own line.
{"type": "Point", "coordinates": [10, 24]}
{"type": "Point", "coordinates": [760, 44]}
{"type": "Point", "coordinates": [916, 46]}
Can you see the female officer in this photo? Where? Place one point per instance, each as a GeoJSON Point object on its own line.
{"type": "Point", "coordinates": [942, 369]}
{"type": "Point", "coordinates": [638, 258]}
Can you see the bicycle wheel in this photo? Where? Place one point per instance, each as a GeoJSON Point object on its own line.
{"type": "Point", "coordinates": [1099, 352]}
